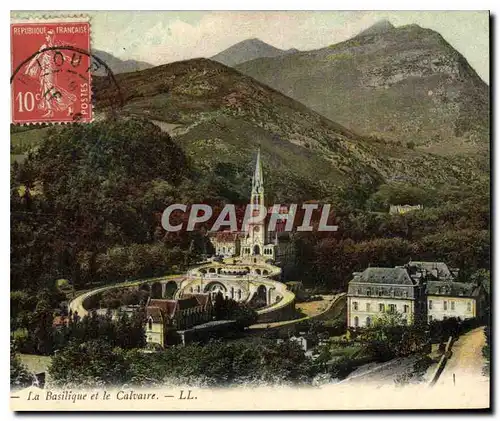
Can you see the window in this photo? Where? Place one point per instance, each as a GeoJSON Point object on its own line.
{"type": "Point", "coordinates": [367, 306]}
{"type": "Point", "coordinates": [392, 308]}
{"type": "Point", "coordinates": [354, 305]}
{"type": "Point", "coordinates": [150, 323]}
{"type": "Point", "coordinates": [356, 321]}
{"type": "Point", "coordinates": [368, 322]}
{"type": "Point", "coordinates": [405, 294]}
{"type": "Point", "coordinates": [380, 293]}
{"type": "Point", "coordinates": [469, 306]}
{"type": "Point", "coordinates": [445, 305]}
{"type": "Point", "coordinates": [452, 304]}
{"type": "Point", "coordinates": [368, 291]}
{"type": "Point", "coordinates": [430, 304]}
{"type": "Point", "coordinates": [381, 308]}
{"type": "Point", "coordinates": [405, 308]}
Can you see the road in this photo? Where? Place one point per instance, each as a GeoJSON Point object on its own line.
{"type": "Point", "coordinates": [76, 305]}
{"type": "Point", "coordinates": [336, 304]}
{"type": "Point", "coordinates": [466, 361]}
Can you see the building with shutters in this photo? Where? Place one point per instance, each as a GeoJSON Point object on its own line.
{"type": "Point", "coordinates": [426, 290]}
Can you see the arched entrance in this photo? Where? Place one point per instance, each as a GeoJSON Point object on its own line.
{"type": "Point", "coordinates": [213, 288]}
{"type": "Point", "coordinates": [262, 295]}
{"type": "Point", "coordinates": [170, 289]}
{"type": "Point", "coordinates": [256, 249]}
{"type": "Point", "coordinates": [156, 290]}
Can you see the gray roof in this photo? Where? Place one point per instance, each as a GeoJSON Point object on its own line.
{"type": "Point", "coordinates": [394, 276]}
{"type": "Point", "coordinates": [442, 269]}
{"type": "Point", "coordinates": [211, 324]}
{"type": "Point", "coordinates": [452, 289]}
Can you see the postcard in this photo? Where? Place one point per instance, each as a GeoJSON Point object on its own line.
{"type": "Point", "coordinates": [250, 210]}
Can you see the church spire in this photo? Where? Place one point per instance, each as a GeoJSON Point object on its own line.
{"type": "Point", "coordinates": [258, 180]}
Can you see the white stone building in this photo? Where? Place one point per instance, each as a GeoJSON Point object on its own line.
{"type": "Point", "coordinates": [426, 290]}
{"type": "Point", "coordinates": [376, 291]}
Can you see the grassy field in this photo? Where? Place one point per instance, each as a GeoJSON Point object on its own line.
{"type": "Point", "coordinates": [312, 308]}
{"type": "Point", "coordinates": [35, 363]}
{"type": "Point", "coordinates": [23, 141]}
{"type": "Point", "coordinates": [349, 351]}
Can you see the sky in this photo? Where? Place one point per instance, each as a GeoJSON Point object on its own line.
{"type": "Point", "coordinates": [160, 37]}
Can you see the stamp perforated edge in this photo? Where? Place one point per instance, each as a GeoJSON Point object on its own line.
{"type": "Point", "coordinates": [44, 17]}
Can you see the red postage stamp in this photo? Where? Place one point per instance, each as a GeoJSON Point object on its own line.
{"type": "Point", "coordinates": [51, 71]}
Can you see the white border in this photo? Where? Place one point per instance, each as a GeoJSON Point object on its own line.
{"type": "Point", "coordinates": [199, 5]}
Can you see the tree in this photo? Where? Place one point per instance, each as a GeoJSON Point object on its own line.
{"type": "Point", "coordinates": [89, 363]}
{"type": "Point", "coordinates": [64, 229]}
{"type": "Point", "coordinates": [229, 309]}
{"type": "Point", "coordinates": [486, 351]}
{"type": "Point", "coordinates": [41, 328]}
{"type": "Point", "coordinates": [19, 375]}
{"type": "Point", "coordinates": [390, 336]}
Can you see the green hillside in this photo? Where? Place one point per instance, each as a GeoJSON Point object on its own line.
{"type": "Point", "coordinates": [405, 85]}
{"type": "Point", "coordinates": [219, 117]}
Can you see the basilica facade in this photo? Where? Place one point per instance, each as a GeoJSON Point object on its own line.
{"type": "Point", "coordinates": [254, 241]}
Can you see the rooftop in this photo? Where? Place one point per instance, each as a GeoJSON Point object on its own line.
{"type": "Point", "coordinates": [452, 289]}
{"type": "Point", "coordinates": [394, 276]}
{"type": "Point", "coordinates": [437, 268]}
{"type": "Point", "coordinates": [212, 323]}
{"type": "Point", "coordinates": [170, 307]}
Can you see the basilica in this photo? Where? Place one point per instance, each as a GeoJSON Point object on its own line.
{"type": "Point", "coordinates": [254, 241]}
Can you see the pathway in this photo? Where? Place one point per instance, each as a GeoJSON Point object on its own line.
{"type": "Point", "coordinates": [337, 302]}
{"type": "Point", "coordinates": [467, 360]}
{"type": "Point", "coordinates": [76, 305]}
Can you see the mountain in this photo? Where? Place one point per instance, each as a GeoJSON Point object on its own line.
{"type": "Point", "coordinates": [220, 116]}
{"type": "Point", "coordinates": [249, 49]}
{"type": "Point", "coordinates": [405, 85]}
{"type": "Point", "coordinates": [378, 28]}
{"type": "Point", "coordinates": [117, 65]}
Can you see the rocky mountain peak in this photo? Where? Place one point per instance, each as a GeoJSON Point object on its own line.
{"type": "Point", "coordinates": [246, 50]}
{"type": "Point", "coordinates": [378, 28]}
